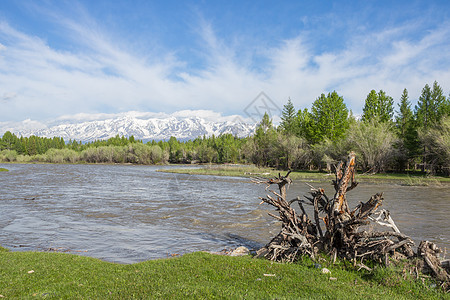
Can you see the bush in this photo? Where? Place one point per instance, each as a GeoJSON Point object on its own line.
{"type": "Point", "coordinates": [373, 142]}
{"type": "Point", "coordinates": [61, 156]}
{"type": "Point", "coordinates": [8, 155]}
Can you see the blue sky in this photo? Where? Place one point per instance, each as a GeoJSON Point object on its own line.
{"type": "Point", "coordinates": [86, 59]}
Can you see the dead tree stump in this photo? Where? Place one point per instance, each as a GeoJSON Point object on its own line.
{"type": "Point", "coordinates": [335, 229]}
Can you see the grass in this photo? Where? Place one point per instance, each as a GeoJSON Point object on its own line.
{"type": "Point", "coordinates": [247, 171]}
{"type": "Point", "coordinates": [197, 275]}
{"type": "Point", "coordinates": [3, 170]}
{"type": "Point", "coordinates": [253, 171]}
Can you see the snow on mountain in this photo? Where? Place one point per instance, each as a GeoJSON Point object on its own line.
{"type": "Point", "coordinates": [183, 128]}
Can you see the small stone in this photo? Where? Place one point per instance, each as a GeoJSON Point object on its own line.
{"type": "Point", "coordinates": [333, 278]}
{"type": "Point", "coordinates": [317, 266]}
{"type": "Point", "coordinates": [325, 271]}
{"type": "Point", "coordinates": [31, 271]}
{"type": "Point", "coordinates": [240, 251]}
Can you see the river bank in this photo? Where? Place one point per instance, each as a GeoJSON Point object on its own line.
{"type": "Point", "coordinates": [195, 275]}
{"type": "Point", "coordinates": [411, 179]}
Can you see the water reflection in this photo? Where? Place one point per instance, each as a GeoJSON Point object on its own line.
{"type": "Point", "coordinates": [126, 213]}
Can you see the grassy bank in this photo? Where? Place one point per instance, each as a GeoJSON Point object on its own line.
{"type": "Point", "coordinates": [3, 170]}
{"type": "Point", "coordinates": [197, 275]}
{"type": "Point", "coordinates": [253, 171]}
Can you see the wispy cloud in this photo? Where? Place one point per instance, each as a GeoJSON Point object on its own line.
{"type": "Point", "coordinates": [104, 74]}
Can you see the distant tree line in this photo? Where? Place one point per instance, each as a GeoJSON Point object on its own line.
{"type": "Point", "coordinates": [225, 148]}
{"type": "Point", "coordinates": [416, 138]}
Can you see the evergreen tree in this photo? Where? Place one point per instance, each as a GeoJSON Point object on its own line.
{"type": "Point", "coordinates": [432, 106]}
{"type": "Point", "coordinates": [405, 114]}
{"type": "Point", "coordinates": [330, 117]}
{"type": "Point", "coordinates": [441, 102]}
{"type": "Point", "coordinates": [9, 140]}
{"type": "Point", "coordinates": [370, 106]}
{"type": "Point", "coordinates": [304, 125]}
{"type": "Point", "coordinates": [424, 108]}
{"type": "Point", "coordinates": [378, 106]}
{"type": "Point", "coordinates": [265, 142]}
{"type": "Point", "coordinates": [406, 131]}
{"type": "Point", "coordinates": [287, 124]}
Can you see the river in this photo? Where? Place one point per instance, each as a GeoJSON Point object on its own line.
{"type": "Point", "coordinates": [130, 213]}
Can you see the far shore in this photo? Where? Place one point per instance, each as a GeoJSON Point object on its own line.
{"type": "Point", "coordinates": [250, 171]}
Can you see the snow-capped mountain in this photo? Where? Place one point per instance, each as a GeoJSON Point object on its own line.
{"type": "Point", "coordinates": [145, 129]}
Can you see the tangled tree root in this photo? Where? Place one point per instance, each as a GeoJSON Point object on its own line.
{"type": "Point", "coordinates": [335, 229]}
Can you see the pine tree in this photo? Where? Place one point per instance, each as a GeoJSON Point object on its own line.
{"type": "Point", "coordinates": [370, 106]}
{"type": "Point", "coordinates": [431, 106]}
{"type": "Point", "coordinates": [378, 106]}
{"type": "Point", "coordinates": [287, 124]}
{"type": "Point", "coordinates": [405, 114]}
{"type": "Point", "coordinates": [406, 131]}
{"type": "Point", "coordinates": [386, 111]}
{"type": "Point", "coordinates": [442, 104]}
{"type": "Point", "coordinates": [265, 142]}
{"type": "Point", "coordinates": [330, 117]}
{"type": "Point", "coordinates": [304, 125]}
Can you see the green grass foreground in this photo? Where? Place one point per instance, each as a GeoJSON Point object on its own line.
{"type": "Point", "coordinates": [253, 171]}
{"type": "Point", "coordinates": [29, 275]}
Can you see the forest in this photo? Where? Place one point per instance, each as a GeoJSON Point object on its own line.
{"type": "Point", "coordinates": [385, 139]}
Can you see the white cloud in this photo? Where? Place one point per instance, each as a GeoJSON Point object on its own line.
{"type": "Point", "coordinates": [108, 77]}
{"type": "Point", "coordinates": [25, 125]}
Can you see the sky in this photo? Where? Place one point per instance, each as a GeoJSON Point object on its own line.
{"type": "Point", "coordinates": [79, 60]}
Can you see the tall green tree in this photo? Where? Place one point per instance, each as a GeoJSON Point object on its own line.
{"type": "Point", "coordinates": [304, 125]}
{"type": "Point", "coordinates": [404, 115]}
{"type": "Point", "coordinates": [407, 132]}
{"type": "Point", "coordinates": [329, 117]}
{"type": "Point", "coordinates": [288, 118]}
{"type": "Point", "coordinates": [432, 106]}
{"type": "Point", "coordinates": [378, 106]}
{"type": "Point", "coordinates": [9, 140]}
{"type": "Point", "coordinates": [424, 110]}
{"type": "Point", "coordinates": [265, 142]}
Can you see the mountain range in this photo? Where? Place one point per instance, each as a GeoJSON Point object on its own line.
{"type": "Point", "coordinates": [183, 128]}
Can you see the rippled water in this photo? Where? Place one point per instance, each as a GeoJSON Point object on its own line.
{"type": "Point", "coordinates": [127, 213]}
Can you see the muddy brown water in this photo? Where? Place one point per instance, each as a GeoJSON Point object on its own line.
{"type": "Point", "coordinates": [127, 213]}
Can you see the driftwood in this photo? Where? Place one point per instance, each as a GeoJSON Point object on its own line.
{"type": "Point", "coordinates": [336, 229]}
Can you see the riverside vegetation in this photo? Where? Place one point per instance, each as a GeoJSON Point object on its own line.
{"type": "Point", "coordinates": [304, 140]}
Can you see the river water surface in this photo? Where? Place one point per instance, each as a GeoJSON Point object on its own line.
{"type": "Point", "coordinates": [128, 213]}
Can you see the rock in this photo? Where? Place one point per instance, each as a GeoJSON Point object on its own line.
{"type": "Point", "coordinates": [240, 251]}
{"type": "Point", "coordinates": [325, 271]}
